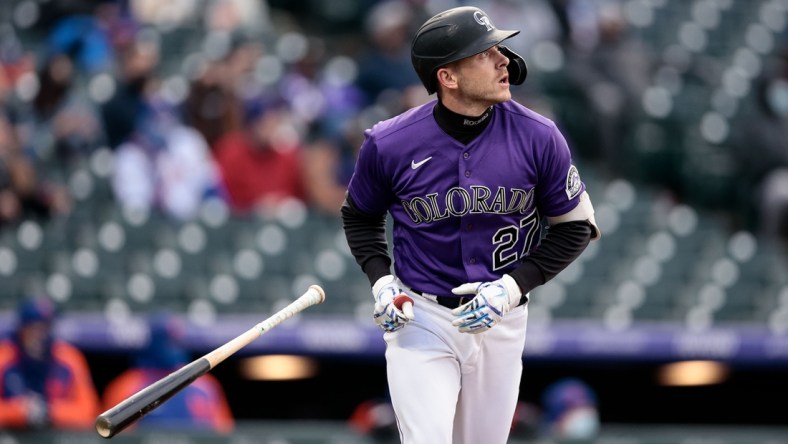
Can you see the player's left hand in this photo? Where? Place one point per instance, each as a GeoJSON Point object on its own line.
{"type": "Point", "coordinates": [493, 300]}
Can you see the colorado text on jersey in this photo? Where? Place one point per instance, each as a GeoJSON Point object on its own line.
{"type": "Point", "coordinates": [458, 201]}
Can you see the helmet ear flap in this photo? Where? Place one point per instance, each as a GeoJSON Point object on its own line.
{"type": "Point", "coordinates": [517, 68]}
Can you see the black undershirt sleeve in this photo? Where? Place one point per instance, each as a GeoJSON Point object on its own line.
{"type": "Point", "coordinates": [366, 237]}
{"type": "Point", "coordinates": [561, 246]}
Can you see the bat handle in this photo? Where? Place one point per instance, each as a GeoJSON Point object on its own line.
{"type": "Point", "coordinates": [405, 303]}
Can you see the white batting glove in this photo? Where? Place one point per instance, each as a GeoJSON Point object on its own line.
{"type": "Point", "coordinates": [493, 300]}
{"type": "Point", "coordinates": [386, 314]}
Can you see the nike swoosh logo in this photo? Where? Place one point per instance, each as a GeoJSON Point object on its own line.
{"type": "Point", "coordinates": [414, 164]}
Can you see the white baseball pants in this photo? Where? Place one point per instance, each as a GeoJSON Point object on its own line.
{"type": "Point", "coordinates": [449, 387]}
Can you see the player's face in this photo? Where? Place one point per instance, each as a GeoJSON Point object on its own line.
{"type": "Point", "coordinates": [483, 79]}
{"type": "Point", "coordinates": [33, 337]}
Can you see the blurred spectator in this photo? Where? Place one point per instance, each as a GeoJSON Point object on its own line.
{"type": "Point", "coordinates": [329, 162]}
{"type": "Point", "coordinates": [137, 63]}
{"type": "Point", "coordinates": [82, 38]}
{"type": "Point", "coordinates": [44, 382]}
{"type": "Point", "coordinates": [166, 15]}
{"type": "Point", "coordinates": [569, 409]}
{"type": "Point", "coordinates": [319, 88]}
{"type": "Point", "coordinates": [610, 69]}
{"type": "Point", "coordinates": [22, 193]}
{"type": "Point", "coordinates": [165, 166]}
{"type": "Point", "coordinates": [385, 65]}
{"type": "Point", "coordinates": [60, 123]}
{"type": "Point", "coordinates": [215, 104]}
{"type": "Point", "coordinates": [251, 17]}
{"type": "Point", "coordinates": [47, 16]}
{"type": "Point", "coordinates": [87, 31]}
{"type": "Point", "coordinates": [201, 405]}
{"type": "Point", "coordinates": [305, 89]}
{"type": "Point", "coordinates": [561, 11]}
{"type": "Point", "coordinates": [527, 420]}
{"type": "Point", "coordinates": [375, 418]}
{"type": "Point", "coordinates": [537, 20]}
{"type": "Point", "coordinates": [261, 165]}
{"type": "Point", "coordinates": [322, 97]}
{"type": "Point", "coordinates": [762, 157]}
{"type": "Point", "coordinates": [15, 63]}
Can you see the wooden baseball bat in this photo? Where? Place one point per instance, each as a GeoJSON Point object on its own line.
{"type": "Point", "coordinates": [131, 409]}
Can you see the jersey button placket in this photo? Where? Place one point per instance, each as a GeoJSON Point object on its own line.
{"type": "Point", "coordinates": [464, 164]}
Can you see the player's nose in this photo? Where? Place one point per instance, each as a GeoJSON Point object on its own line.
{"type": "Point", "coordinates": [504, 61]}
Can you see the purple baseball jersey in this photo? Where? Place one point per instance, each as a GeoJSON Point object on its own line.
{"type": "Point", "coordinates": [464, 213]}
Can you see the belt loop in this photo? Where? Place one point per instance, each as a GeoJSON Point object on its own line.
{"type": "Point", "coordinates": [430, 297]}
{"type": "Point", "coordinates": [449, 302]}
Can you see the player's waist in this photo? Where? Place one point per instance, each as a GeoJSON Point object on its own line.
{"type": "Point", "coordinates": [453, 302]}
{"type": "Point", "coordinates": [450, 302]}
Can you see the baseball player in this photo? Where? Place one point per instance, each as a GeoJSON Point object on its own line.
{"type": "Point", "coordinates": [466, 180]}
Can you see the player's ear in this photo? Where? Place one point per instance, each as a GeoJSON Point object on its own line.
{"type": "Point", "coordinates": [447, 78]}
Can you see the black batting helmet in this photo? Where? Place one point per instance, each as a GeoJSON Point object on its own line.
{"type": "Point", "coordinates": [455, 34]}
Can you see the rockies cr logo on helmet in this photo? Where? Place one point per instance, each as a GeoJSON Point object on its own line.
{"type": "Point", "coordinates": [483, 20]}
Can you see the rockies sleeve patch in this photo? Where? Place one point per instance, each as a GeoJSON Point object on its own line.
{"type": "Point", "coordinates": [573, 184]}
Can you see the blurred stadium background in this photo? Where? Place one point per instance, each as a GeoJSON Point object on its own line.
{"type": "Point", "coordinates": [683, 274]}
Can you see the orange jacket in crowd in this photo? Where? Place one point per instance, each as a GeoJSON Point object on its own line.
{"type": "Point", "coordinates": [200, 405]}
{"type": "Point", "coordinates": [67, 400]}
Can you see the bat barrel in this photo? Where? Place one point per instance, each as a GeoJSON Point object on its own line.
{"type": "Point", "coordinates": [114, 420]}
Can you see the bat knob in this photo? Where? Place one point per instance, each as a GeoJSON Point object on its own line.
{"type": "Point", "coordinates": [399, 300]}
{"type": "Point", "coordinates": [405, 304]}
{"type": "Point", "coordinates": [321, 295]}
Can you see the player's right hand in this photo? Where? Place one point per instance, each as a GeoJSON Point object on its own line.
{"type": "Point", "coordinates": [386, 314]}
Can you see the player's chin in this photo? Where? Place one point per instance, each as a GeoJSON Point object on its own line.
{"type": "Point", "coordinates": [503, 94]}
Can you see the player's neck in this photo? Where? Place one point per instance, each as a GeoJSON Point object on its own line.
{"type": "Point", "coordinates": [461, 127]}
{"type": "Point", "coordinates": [454, 104]}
